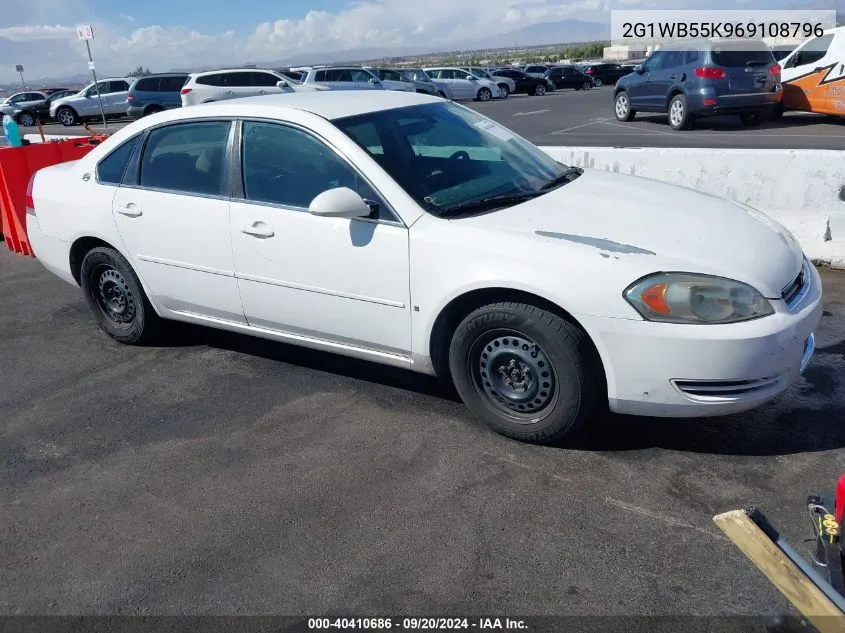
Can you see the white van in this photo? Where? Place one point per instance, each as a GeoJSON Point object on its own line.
{"type": "Point", "coordinates": [813, 75]}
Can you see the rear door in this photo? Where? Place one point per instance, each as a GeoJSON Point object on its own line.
{"type": "Point", "coordinates": [239, 84]}
{"type": "Point", "coordinates": [115, 101]}
{"type": "Point", "coordinates": [747, 66]}
{"type": "Point", "coordinates": [813, 77]}
{"type": "Point", "coordinates": [169, 88]}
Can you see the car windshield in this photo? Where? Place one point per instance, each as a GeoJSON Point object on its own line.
{"type": "Point", "coordinates": [452, 160]}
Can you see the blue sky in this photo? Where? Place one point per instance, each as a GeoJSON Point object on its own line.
{"type": "Point", "coordinates": [166, 34]}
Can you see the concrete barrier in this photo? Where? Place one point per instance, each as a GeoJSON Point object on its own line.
{"type": "Point", "coordinates": [802, 189]}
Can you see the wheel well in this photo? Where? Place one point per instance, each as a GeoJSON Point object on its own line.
{"type": "Point", "coordinates": [153, 107]}
{"type": "Point", "coordinates": [420, 91]}
{"type": "Point", "coordinates": [68, 107]}
{"type": "Point", "coordinates": [457, 309]}
{"type": "Point", "coordinates": [78, 251]}
{"type": "Point", "coordinates": [672, 94]}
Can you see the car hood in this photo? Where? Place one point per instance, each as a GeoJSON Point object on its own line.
{"type": "Point", "coordinates": [661, 226]}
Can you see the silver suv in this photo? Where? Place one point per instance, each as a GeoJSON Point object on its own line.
{"type": "Point", "coordinates": [342, 78]}
{"type": "Point", "coordinates": [85, 104]}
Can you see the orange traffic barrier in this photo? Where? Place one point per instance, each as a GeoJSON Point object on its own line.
{"type": "Point", "coordinates": [17, 166]}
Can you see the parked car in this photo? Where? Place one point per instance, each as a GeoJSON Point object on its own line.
{"type": "Point", "coordinates": [343, 78]}
{"type": "Point", "coordinates": [419, 75]}
{"type": "Point", "coordinates": [293, 75]}
{"type": "Point", "coordinates": [605, 74]}
{"type": "Point", "coordinates": [420, 85]}
{"type": "Point", "coordinates": [657, 312]}
{"type": "Point", "coordinates": [782, 50]}
{"type": "Point", "coordinates": [811, 82]}
{"type": "Point", "coordinates": [464, 84]}
{"type": "Point", "coordinates": [523, 82]}
{"type": "Point", "coordinates": [236, 83]}
{"type": "Point", "coordinates": [85, 104]}
{"type": "Point", "coordinates": [695, 79]}
{"type": "Point", "coordinates": [392, 79]}
{"type": "Point", "coordinates": [569, 77]}
{"type": "Point", "coordinates": [23, 107]}
{"type": "Point", "coordinates": [506, 85]}
{"type": "Point", "coordinates": [154, 93]}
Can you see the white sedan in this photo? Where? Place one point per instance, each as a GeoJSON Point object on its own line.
{"type": "Point", "coordinates": [414, 232]}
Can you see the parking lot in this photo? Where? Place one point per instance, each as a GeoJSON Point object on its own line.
{"type": "Point", "coordinates": [567, 117]}
{"type": "Point", "coordinates": [220, 474]}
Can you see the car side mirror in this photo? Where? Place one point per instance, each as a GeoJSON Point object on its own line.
{"type": "Point", "coordinates": [340, 202]}
{"type": "Point", "coordinates": [282, 84]}
{"type": "Point", "coordinates": [639, 69]}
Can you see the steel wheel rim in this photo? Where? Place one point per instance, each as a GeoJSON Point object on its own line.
{"type": "Point", "coordinates": [514, 375]}
{"type": "Point", "coordinates": [27, 120]}
{"type": "Point", "coordinates": [113, 295]}
{"type": "Point", "coordinates": [621, 106]}
{"type": "Point", "coordinates": [676, 112]}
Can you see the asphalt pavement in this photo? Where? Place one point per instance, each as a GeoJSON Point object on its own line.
{"type": "Point", "coordinates": [220, 474]}
{"type": "Point", "coordinates": [586, 119]}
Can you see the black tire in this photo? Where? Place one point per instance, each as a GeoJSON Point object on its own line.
{"type": "Point", "coordinates": [441, 94]}
{"type": "Point", "coordinates": [750, 118]}
{"type": "Point", "coordinates": [587, 85]}
{"type": "Point", "coordinates": [116, 298]}
{"type": "Point", "coordinates": [598, 82]}
{"type": "Point", "coordinates": [777, 113]}
{"type": "Point", "coordinates": [485, 94]}
{"type": "Point", "coordinates": [539, 90]}
{"type": "Point", "coordinates": [67, 116]}
{"type": "Point", "coordinates": [622, 107]}
{"type": "Point", "coordinates": [26, 119]}
{"type": "Point", "coordinates": [562, 383]}
{"type": "Point", "coordinates": [679, 116]}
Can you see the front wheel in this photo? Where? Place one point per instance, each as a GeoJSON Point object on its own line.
{"type": "Point", "coordinates": [484, 94]}
{"type": "Point", "coordinates": [587, 85]}
{"type": "Point", "coordinates": [526, 373]}
{"type": "Point", "coordinates": [622, 107]}
{"type": "Point", "coordinates": [67, 117]}
{"type": "Point", "coordinates": [115, 296]}
{"type": "Point", "coordinates": [26, 119]}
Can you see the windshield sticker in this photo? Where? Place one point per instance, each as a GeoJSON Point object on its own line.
{"type": "Point", "coordinates": [496, 130]}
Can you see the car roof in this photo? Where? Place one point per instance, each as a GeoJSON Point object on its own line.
{"type": "Point", "coordinates": [232, 70]}
{"type": "Point", "coordinates": [329, 104]}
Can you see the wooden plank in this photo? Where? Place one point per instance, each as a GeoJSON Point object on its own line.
{"type": "Point", "coordinates": [781, 571]}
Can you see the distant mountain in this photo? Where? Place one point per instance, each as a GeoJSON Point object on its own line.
{"type": "Point", "coordinates": [562, 32]}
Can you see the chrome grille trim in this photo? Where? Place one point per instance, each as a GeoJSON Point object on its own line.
{"type": "Point", "coordinates": [724, 388]}
{"type": "Point", "coordinates": [798, 288]}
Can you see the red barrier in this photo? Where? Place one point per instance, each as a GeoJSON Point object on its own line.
{"type": "Point", "coordinates": [17, 166]}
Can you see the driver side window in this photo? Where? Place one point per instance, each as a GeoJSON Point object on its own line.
{"type": "Point", "coordinates": [812, 51]}
{"type": "Point", "coordinates": [653, 62]}
{"type": "Point", "coordinates": [286, 166]}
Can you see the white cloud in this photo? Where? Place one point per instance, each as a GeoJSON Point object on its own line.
{"type": "Point", "coordinates": [38, 32]}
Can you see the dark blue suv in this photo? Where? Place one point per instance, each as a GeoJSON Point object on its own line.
{"type": "Point", "coordinates": [702, 78]}
{"type": "Point", "coordinates": [155, 93]}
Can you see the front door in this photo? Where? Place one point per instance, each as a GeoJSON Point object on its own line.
{"type": "Point", "coordinates": [335, 279]}
{"type": "Point", "coordinates": [173, 217]}
{"type": "Point", "coordinates": [641, 90]}
{"type": "Point", "coordinates": [813, 78]}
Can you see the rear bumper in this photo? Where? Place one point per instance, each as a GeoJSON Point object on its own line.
{"type": "Point", "coordinates": [707, 102]}
{"type": "Point", "coordinates": [136, 112]}
{"type": "Point", "coordinates": [53, 253]}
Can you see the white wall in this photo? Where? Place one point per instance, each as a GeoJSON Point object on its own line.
{"type": "Point", "coordinates": [801, 189]}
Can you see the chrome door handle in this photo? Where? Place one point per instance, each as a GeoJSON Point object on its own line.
{"type": "Point", "coordinates": [263, 92]}
{"type": "Point", "coordinates": [130, 210]}
{"type": "Point", "coordinates": [257, 231]}
{"type": "Point", "coordinates": [230, 92]}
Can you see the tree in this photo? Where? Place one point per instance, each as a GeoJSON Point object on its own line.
{"type": "Point", "coordinates": [140, 72]}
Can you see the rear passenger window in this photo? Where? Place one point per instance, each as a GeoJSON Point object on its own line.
{"type": "Point", "coordinates": [211, 80]}
{"type": "Point", "coordinates": [264, 79]}
{"type": "Point", "coordinates": [320, 75]}
{"type": "Point", "coordinates": [110, 169]}
{"type": "Point", "coordinates": [690, 57]}
{"type": "Point", "coordinates": [172, 84]}
{"type": "Point", "coordinates": [673, 59]}
{"type": "Point", "coordinates": [118, 86]}
{"type": "Point", "coordinates": [148, 84]}
{"type": "Point", "coordinates": [186, 157]}
{"type": "Point", "coordinates": [239, 80]}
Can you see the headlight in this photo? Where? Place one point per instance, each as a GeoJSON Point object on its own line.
{"type": "Point", "coordinates": [691, 298]}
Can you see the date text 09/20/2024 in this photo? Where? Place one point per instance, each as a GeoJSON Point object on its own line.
{"type": "Point", "coordinates": [409, 624]}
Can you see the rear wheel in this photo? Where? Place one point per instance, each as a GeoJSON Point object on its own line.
{"type": "Point", "coordinates": [26, 119]}
{"type": "Point", "coordinates": [597, 82]}
{"type": "Point", "coordinates": [778, 111]}
{"type": "Point", "coordinates": [115, 296]}
{"type": "Point", "coordinates": [526, 373]}
{"type": "Point", "coordinates": [152, 109]}
{"type": "Point", "coordinates": [539, 90]}
{"type": "Point", "coordinates": [587, 85]}
{"type": "Point", "coordinates": [504, 91]}
{"type": "Point", "coordinates": [679, 116]}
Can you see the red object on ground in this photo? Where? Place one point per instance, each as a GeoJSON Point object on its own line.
{"type": "Point", "coordinates": [17, 166]}
{"type": "Point", "coordinates": [840, 498]}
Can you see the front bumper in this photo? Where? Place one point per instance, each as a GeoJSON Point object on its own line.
{"type": "Point", "coordinates": [669, 370]}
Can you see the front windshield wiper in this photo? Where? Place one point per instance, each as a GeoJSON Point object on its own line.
{"type": "Point", "coordinates": [485, 204]}
{"type": "Point", "coordinates": [566, 176]}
